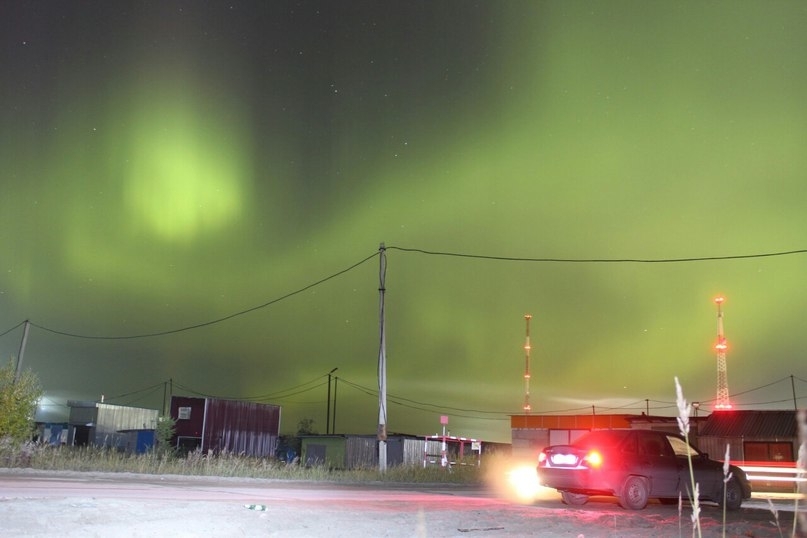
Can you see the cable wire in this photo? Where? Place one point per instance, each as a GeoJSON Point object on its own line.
{"type": "Point", "coordinates": [414, 250]}
{"type": "Point", "coordinates": [600, 260]}
{"type": "Point", "coordinates": [20, 324]}
{"type": "Point", "coordinates": [212, 322]}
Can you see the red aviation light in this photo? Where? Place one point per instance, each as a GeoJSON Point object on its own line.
{"type": "Point", "coordinates": [719, 299]}
{"type": "Point", "coordinates": [593, 459]}
{"type": "Point", "coordinates": [721, 345]}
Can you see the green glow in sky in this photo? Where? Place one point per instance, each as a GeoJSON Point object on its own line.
{"type": "Point", "coordinates": [170, 166]}
{"type": "Point", "coordinates": [183, 177]}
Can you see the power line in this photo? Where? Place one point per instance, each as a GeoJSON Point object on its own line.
{"type": "Point", "coordinates": [411, 250]}
{"type": "Point", "coordinates": [207, 323]}
{"type": "Point", "coordinates": [142, 394]}
{"type": "Point", "coordinates": [11, 329]}
{"type": "Point", "coordinates": [131, 393]}
{"type": "Point", "coordinates": [599, 260]}
{"type": "Point", "coordinates": [760, 387]}
{"type": "Point", "coordinates": [282, 393]}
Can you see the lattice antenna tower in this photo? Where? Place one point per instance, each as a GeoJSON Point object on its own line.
{"type": "Point", "coordinates": [721, 345]}
{"type": "Point", "coordinates": [527, 347]}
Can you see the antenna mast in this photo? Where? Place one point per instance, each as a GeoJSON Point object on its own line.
{"type": "Point", "coordinates": [722, 373]}
{"type": "Point", "coordinates": [527, 407]}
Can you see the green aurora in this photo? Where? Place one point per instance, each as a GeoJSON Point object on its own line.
{"type": "Point", "coordinates": [169, 164]}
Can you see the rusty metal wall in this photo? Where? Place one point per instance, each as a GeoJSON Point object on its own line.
{"type": "Point", "coordinates": [192, 422]}
{"type": "Point", "coordinates": [239, 427]}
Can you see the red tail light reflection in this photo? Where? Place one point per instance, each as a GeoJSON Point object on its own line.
{"type": "Point", "coordinates": [593, 459]}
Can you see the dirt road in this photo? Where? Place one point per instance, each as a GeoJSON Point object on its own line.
{"type": "Point", "coordinates": [38, 504]}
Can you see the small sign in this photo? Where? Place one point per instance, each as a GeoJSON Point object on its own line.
{"type": "Point", "coordinates": [443, 419]}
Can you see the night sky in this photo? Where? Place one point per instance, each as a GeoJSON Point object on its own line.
{"type": "Point", "coordinates": [197, 192]}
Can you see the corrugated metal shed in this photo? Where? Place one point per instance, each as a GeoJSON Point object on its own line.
{"type": "Point", "coordinates": [750, 424]}
{"type": "Point", "coordinates": [239, 427]}
{"type": "Point", "coordinates": [359, 451]}
{"type": "Point", "coordinates": [105, 424]}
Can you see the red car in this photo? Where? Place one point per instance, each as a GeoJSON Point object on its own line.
{"type": "Point", "coordinates": [635, 466]}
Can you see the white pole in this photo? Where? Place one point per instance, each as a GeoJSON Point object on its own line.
{"type": "Point", "coordinates": [382, 365]}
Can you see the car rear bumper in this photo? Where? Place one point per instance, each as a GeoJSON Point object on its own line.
{"type": "Point", "coordinates": [581, 480]}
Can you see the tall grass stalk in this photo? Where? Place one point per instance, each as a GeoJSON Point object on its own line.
{"type": "Point", "coordinates": [683, 425]}
{"type": "Point", "coordinates": [801, 464]}
{"type": "Point", "coordinates": [775, 513]}
{"type": "Point", "coordinates": [726, 477]}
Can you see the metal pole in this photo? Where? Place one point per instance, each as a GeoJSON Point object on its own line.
{"type": "Point", "coordinates": [793, 388]}
{"type": "Point", "coordinates": [18, 371]}
{"type": "Point", "coordinates": [328, 405]}
{"type": "Point", "coordinates": [527, 348]}
{"type": "Point", "coordinates": [335, 383]}
{"type": "Point", "coordinates": [382, 363]}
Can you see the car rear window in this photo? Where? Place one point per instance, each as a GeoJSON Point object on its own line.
{"type": "Point", "coordinates": [681, 448]}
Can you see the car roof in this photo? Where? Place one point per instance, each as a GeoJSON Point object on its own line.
{"type": "Point", "coordinates": [614, 437]}
{"type": "Point", "coordinates": [602, 437]}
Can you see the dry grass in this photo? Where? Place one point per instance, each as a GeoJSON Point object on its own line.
{"type": "Point", "coordinates": [684, 410]}
{"type": "Point", "coordinates": [87, 458]}
{"type": "Point", "coordinates": [801, 517]}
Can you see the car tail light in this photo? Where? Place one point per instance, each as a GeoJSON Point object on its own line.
{"type": "Point", "coordinates": [541, 458]}
{"type": "Point", "coordinates": [593, 459]}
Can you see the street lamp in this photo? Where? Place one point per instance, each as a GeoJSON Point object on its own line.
{"type": "Point", "coordinates": [328, 409]}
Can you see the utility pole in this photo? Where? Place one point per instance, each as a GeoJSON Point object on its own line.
{"type": "Point", "coordinates": [382, 363]}
{"type": "Point", "coordinates": [335, 383]}
{"type": "Point", "coordinates": [328, 408]}
{"type": "Point", "coordinates": [793, 388]}
{"type": "Point", "coordinates": [18, 371]}
{"type": "Point", "coordinates": [168, 393]}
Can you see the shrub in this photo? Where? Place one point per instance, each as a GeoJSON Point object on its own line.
{"type": "Point", "coordinates": [18, 399]}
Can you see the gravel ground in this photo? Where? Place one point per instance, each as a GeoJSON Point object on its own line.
{"type": "Point", "coordinates": [38, 504]}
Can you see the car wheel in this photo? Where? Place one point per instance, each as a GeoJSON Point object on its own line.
{"type": "Point", "coordinates": [634, 493]}
{"type": "Point", "coordinates": [733, 497]}
{"type": "Point", "coordinates": [574, 499]}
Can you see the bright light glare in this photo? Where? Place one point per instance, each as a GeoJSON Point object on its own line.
{"type": "Point", "coordinates": [594, 459]}
{"type": "Point", "coordinates": [524, 482]}
{"type": "Point", "coordinates": [517, 480]}
{"type": "Point", "coordinates": [564, 459]}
